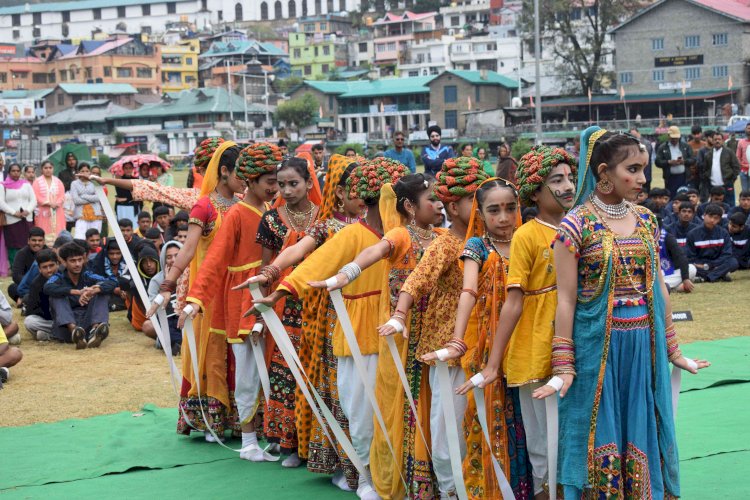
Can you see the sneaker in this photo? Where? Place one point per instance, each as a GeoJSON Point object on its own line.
{"type": "Point", "coordinates": [726, 278]}
{"type": "Point", "coordinates": [698, 279]}
{"type": "Point", "coordinates": [15, 339]}
{"type": "Point", "coordinates": [4, 374]}
{"type": "Point", "coordinates": [79, 337]}
{"type": "Point", "coordinates": [97, 335]}
{"type": "Point", "coordinates": [42, 336]}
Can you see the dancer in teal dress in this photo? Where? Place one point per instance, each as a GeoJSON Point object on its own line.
{"type": "Point", "coordinates": [614, 334]}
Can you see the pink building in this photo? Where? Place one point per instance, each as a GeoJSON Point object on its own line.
{"type": "Point", "coordinates": [395, 32]}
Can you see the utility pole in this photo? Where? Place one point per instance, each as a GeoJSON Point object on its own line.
{"type": "Point", "coordinates": [229, 92]}
{"type": "Point", "coordinates": [268, 113]}
{"type": "Point", "coordinates": [244, 97]}
{"type": "Point", "coordinates": [538, 72]}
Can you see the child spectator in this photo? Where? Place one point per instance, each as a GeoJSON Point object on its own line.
{"type": "Point", "coordinates": [33, 272]}
{"type": "Point", "coordinates": [678, 273]}
{"type": "Point", "coordinates": [94, 242]}
{"type": "Point", "coordinates": [674, 210]}
{"type": "Point", "coordinates": [24, 261]}
{"type": "Point", "coordinates": [161, 220]}
{"type": "Point", "coordinates": [740, 234]}
{"type": "Point", "coordinates": [168, 255]}
{"type": "Point", "coordinates": [641, 197]}
{"type": "Point", "coordinates": [36, 303]}
{"type": "Point", "coordinates": [79, 300]}
{"type": "Point", "coordinates": [717, 197]}
{"type": "Point", "coordinates": [685, 223]}
{"type": "Point", "coordinates": [126, 228]}
{"type": "Point", "coordinates": [660, 197]}
{"type": "Point", "coordinates": [179, 220]}
{"type": "Point", "coordinates": [148, 266]}
{"type": "Point", "coordinates": [154, 235]}
{"type": "Point", "coordinates": [9, 354]}
{"type": "Point", "coordinates": [743, 207]}
{"type": "Point", "coordinates": [709, 248]}
{"type": "Point", "coordinates": [111, 265]}
{"type": "Point", "coordinates": [181, 236]}
{"type": "Point", "coordinates": [694, 196]}
{"type": "Point", "coordinates": [144, 224]}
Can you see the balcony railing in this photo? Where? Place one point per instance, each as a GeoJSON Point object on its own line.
{"type": "Point", "coordinates": [390, 108]}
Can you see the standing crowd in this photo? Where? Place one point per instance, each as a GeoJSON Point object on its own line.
{"type": "Point", "coordinates": [400, 331]}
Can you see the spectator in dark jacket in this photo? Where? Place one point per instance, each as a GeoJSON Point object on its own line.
{"type": "Point", "coordinates": [24, 261]}
{"type": "Point", "coordinates": [68, 174]}
{"type": "Point", "coordinates": [675, 158]}
{"type": "Point", "coordinates": [36, 304]}
{"type": "Point", "coordinates": [110, 264]}
{"type": "Point", "coordinates": [678, 273]}
{"type": "Point", "coordinates": [743, 207]}
{"type": "Point", "coordinates": [685, 223]}
{"type": "Point", "coordinates": [710, 248]}
{"type": "Point", "coordinates": [721, 168]}
{"type": "Point", "coordinates": [740, 234]}
{"type": "Point", "coordinates": [434, 154]}
{"type": "Point", "coordinates": [79, 300]}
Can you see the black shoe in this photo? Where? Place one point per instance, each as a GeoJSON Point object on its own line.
{"type": "Point", "coordinates": [4, 375]}
{"type": "Point", "coordinates": [176, 348]}
{"type": "Point", "coordinates": [79, 337]}
{"type": "Point", "coordinates": [726, 278]}
{"type": "Point", "coordinates": [97, 335]}
{"type": "Point", "coordinates": [698, 279]}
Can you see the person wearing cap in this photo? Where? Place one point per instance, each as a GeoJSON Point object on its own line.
{"type": "Point", "coordinates": [434, 154]}
{"type": "Point", "coordinates": [674, 157]}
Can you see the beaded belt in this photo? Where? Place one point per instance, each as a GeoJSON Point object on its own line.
{"type": "Point", "coordinates": [629, 301]}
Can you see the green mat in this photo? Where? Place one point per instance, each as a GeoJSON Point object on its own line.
{"type": "Point", "coordinates": [730, 362]}
{"type": "Point", "coordinates": [138, 455]}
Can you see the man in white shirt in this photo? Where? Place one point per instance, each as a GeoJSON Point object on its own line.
{"type": "Point", "coordinates": [721, 168]}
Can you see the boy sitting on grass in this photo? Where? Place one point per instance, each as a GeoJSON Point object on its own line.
{"type": "Point", "coordinates": [36, 303]}
{"type": "Point", "coordinates": [79, 300]}
{"type": "Point", "coordinates": [709, 248]}
{"type": "Point", "coordinates": [740, 234]}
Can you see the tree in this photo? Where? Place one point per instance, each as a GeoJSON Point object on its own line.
{"type": "Point", "coordinates": [355, 146]}
{"type": "Point", "coordinates": [577, 34]}
{"type": "Point", "coordinates": [520, 148]}
{"type": "Point", "coordinates": [284, 85]}
{"type": "Point", "coordinates": [299, 112]}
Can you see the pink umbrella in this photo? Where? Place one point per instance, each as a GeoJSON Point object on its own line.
{"type": "Point", "coordinates": [137, 161]}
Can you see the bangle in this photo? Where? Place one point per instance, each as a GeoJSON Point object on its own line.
{"type": "Point", "coordinates": [351, 270]}
{"type": "Point", "coordinates": [457, 344]}
{"type": "Point", "coordinates": [399, 315]}
{"type": "Point", "coordinates": [673, 348]}
{"type": "Point", "coordinates": [563, 356]}
{"type": "Point", "coordinates": [273, 273]}
{"type": "Point", "coordinates": [469, 291]}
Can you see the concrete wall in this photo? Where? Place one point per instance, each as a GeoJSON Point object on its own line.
{"type": "Point", "coordinates": [673, 21]}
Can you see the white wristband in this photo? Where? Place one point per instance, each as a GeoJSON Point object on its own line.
{"type": "Point", "coordinates": [396, 325]}
{"type": "Point", "coordinates": [442, 354]}
{"type": "Point", "coordinates": [477, 379]}
{"type": "Point", "coordinates": [332, 281]}
{"type": "Point", "coordinates": [556, 383]}
{"type": "Point", "coordinates": [258, 327]}
{"type": "Point", "coordinates": [692, 364]}
{"type": "Point", "coordinates": [188, 310]}
{"type": "Point", "coordinates": [159, 299]}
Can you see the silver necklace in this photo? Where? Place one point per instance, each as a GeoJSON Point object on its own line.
{"type": "Point", "coordinates": [616, 211]}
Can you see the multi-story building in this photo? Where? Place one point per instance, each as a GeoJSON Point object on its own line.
{"type": "Point", "coordinates": [79, 19]}
{"type": "Point", "coordinates": [466, 15]}
{"type": "Point", "coordinates": [85, 121]}
{"type": "Point", "coordinates": [179, 66]}
{"type": "Point", "coordinates": [329, 23]}
{"type": "Point", "coordinates": [312, 55]}
{"type": "Point", "coordinates": [686, 52]}
{"type": "Point", "coordinates": [19, 106]}
{"type": "Point", "coordinates": [472, 53]}
{"type": "Point", "coordinates": [361, 49]}
{"type": "Point", "coordinates": [394, 34]}
{"type": "Point", "coordinates": [119, 59]}
{"type": "Point", "coordinates": [224, 58]}
{"type": "Point", "coordinates": [65, 95]}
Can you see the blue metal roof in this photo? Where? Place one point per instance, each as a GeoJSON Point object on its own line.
{"type": "Point", "coordinates": [74, 5]}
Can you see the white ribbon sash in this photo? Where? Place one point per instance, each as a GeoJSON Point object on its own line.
{"type": "Point", "coordinates": [502, 481]}
{"type": "Point", "coordinates": [451, 427]}
{"type": "Point", "coordinates": [351, 338]}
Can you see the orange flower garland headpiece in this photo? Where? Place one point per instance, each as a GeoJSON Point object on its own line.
{"type": "Point", "coordinates": [258, 159]}
{"type": "Point", "coordinates": [367, 179]}
{"type": "Point", "coordinates": [535, 166]}
{"type": "Point", "coordinates": [206, 150]}
{"type": "Point", "coordinates": [459, 177]}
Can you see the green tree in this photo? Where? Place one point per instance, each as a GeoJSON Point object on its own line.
{"type": "Point", "coordinates": [520, 148]}
{"type": "Point", "coordinates": [284, 85]}
{"type": "Point", "coordinates": [355, 146]}
{"type": "Point", "coordinates": [577, 36]}
{"type": "Point", "coordinates": [299, 112]}
{"type": "Point", "coordinates": [105, 161]}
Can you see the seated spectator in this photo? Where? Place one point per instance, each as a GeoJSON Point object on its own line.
{"type": "Point", "coordinates": [36, 304]}
{"type": "Point", "coordinates": [181, 236]}
{"type": "Point", "coordinates": [641, 197]}
{"type": "Point", "coordinates": [743, 207]}
{"type": "Point", "coordinates": [144, 224]}
{"type": "Point", "coordinates": [709, 248]}
{"type": "Point", "coordinates": [678, 273]}
{"type": "Point", "coordinates": [685, 223]}
{"type": "Point", "coordinates": [24, 261]}
{"type": "Point", "coordinates": [9, 354]}
{"type": "Point", "coordinates": [674, 209]}
{"type": "Point", "coordinates": [110, 264]}
{"type": "Point", "coordinates": [529, 213]}
{"type": "Point", "coordinates": [94, 242]}
{"type": "Point", "coordinates": [694, 197]}
{"type": "Point", "coordinates": [33, 272]}
{"type": "Point", "coordinates": [148, 266]}
{"type": "Point", "coordinates": [168, 255]}
{"type": "Point", "coordinates": [660, 197]}
{"type": "Point", "coordinates": [180, 219]}
{"type": "Point", "coordinates": [739, 231]}
{"type": "Point", "coordinates": [717, 198]}
{"type": "Point", "coordinates": [79, 300]}
{"type": "Point", "coordinates": [161, 220]}
{"type": "Point", "coordinates": [126, 228]}
{"type": "Point", "coordinates": [154, 235]}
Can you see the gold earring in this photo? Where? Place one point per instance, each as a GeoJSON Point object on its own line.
{"type": "Point", "coordinates": [604, 186]}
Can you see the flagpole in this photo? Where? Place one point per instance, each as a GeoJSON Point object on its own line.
{"type": "Point", "coordinates": [590, 106]}
{"type": "Point", "coordinates": [537, 73]}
